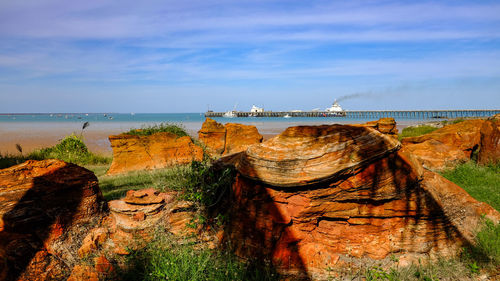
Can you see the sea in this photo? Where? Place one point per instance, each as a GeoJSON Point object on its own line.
{"type": "Point", "coordinates": [190, 121]}
{"type": "Point", "coordinates": [34, 131]}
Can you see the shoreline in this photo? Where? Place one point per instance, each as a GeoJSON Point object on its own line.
{"type": "Point", "coordinates": [37, 135]}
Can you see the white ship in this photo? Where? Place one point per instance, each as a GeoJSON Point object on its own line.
{"type": "Point", "coordinates": [256, 109]}
{"type": "Point", "coordinates": [334, 108]}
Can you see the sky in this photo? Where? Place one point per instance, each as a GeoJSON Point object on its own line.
{"type": "Point", "coordinates": [190, 56]}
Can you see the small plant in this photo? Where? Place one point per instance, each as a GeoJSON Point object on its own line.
{"type": "Point", "coordinates": [416, 131]}
{"type": "Point", "coordinates": [71, 149]}
{"type": "Point", "coordinates": [175, 129]}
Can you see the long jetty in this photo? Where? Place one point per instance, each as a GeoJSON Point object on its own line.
{"type": "Point", "coordinates": [367, 114]}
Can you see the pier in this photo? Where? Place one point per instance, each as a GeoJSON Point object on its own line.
{"type": "Point", "coordinates": [369, 114]}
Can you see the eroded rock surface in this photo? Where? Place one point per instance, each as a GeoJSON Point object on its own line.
{"type": "Point", "coordinates": [160, 150]}
{"type": "Point", "coordinates": [489, 146]}
{"type": "Point", "coordinates": [386, 126]}
{"type": "Point", "coordinates": [319, 197]}
{"type": "Point", "coordinates": [447, 146]}
{"type": "Point", "coordinates": [46, 207]}
{"type": "Point", "coordinates": [227, 139]}
{"type": "Point", "coordinates": [213, 135]}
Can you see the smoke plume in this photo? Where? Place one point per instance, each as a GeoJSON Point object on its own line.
{"type": "Point", "coordinates": [353, 96]}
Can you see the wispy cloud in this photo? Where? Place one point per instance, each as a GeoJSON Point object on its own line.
{"type": "Point", "coordinates": [215, 43]}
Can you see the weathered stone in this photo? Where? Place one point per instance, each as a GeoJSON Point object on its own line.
{"type": "Point", "coordinates": [159, 150]}
{"type": "Point", "coordinates": [320, 151]}
{"type": "Point", "coordinates": [239, 137]}
{"type": "Point", "coordinates": [386, 126]}
{"type": "Point", "coordinates": [228, 139]}
{"type": "Point", "coordinates": [489, 147]}
{"type": "Point", "coordinates": [447, 146]}
{"type": "Point", "coordinates": [381, 204]}
{"type": "Point", "coordinates": [94, 239]}
{"type": "Point", "coordinates": [83, 273]}
{"type": "Point", "coordinates": [213, 135]}
{"type": "Point", "coordinates": [39, 202]}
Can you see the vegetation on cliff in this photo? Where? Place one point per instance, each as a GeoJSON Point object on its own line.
{"type": "Point", "coordinates": [175, 129]}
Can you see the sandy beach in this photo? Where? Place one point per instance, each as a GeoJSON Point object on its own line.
{"type": "Point", "coordinates": [36, 135]}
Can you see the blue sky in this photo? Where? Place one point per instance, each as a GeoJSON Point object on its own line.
{"type": "Point", "coordinates": [185, 56]}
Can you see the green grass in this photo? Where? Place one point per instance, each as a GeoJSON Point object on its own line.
{"type": "Point", "coordinates": [198, 182]}
{"type": "Point", "coordinates": [175, 129]}
{"type": "Point", "coordinates": [165, 258]}
{"type": "Point", "coordinates": [453, 121]}
{"type": "Point", "coordinates": [416, 131]}
{"type": "Point", "coordinates": [481, 182]}
{"type": "Point", "coordinates": [71, 149]}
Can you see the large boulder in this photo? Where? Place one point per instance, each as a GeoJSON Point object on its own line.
{"type": "Point", "coordinates": [384, 125]}
{"type": "Point", "coordinates": [213, 135]}
{"type": "Point", "coordinates": [239, 137]}
{"type": "Point", "coordinates": [489, 147]}
{"type": "Point", "coordinates": [156, 151]}
{"type": "Point", "coordinates": [46, 207]}
{"type": "Point", "coordinates": [323, 197]}
{"type": "Point", "coordinates": [447, 146]}
{"type": "Point", "coordinates": [227, 139]}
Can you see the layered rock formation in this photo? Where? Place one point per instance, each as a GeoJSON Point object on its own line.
{"type": "Point", "coordinates": [319, 197]}
{"type": "Point", "coordinates": [160, 150]}
{"type": "Point", "coordinates": [447, 146]}
{"type": "Point", "coordinates": [228, 139]}
{"type": "Point", "coordinates": [213, 135]}
{"type": "Point", "coordinates": [46, 208]}
{"type": "Point", "coordinates": [384, 125]}
{"type": "Point", "coordinates": [489, 145]}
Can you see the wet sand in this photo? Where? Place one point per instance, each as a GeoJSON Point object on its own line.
{"type": "Point", "coordinates": [36, 135]}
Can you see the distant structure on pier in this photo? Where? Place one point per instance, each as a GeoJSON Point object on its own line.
{"type": "Point", "coordinates": [337, 111]}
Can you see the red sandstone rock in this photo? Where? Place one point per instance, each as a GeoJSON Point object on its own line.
{"type": "Point", "coordinates": [386, 126]}
{"type": "Point", "coordinates": [213, 135]}
{"type": "Point", "coordinates": [446, 146]}
{"type": "Point", "coordinates": [489, 151]}
{"type": "Point", "coordinates": [320, 151]}
{"type": "Point", "coordinates": [94, 239]}
{"type": "Point", "coordinates": [83, 273]}
{"type": "Point", "coordinates": [228, 139]}
{"type": "Point", "coordinates": [160, 150]}
{"type": "Point", "coordinates": [322, 212]}
{"type": "Point", "coordinates": [39, 202]}
{"type": "Point", "coordinates": [239, 137]}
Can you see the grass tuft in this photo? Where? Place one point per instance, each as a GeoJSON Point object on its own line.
{"type": "Point", "coordinates": [175, 129]}
{"type": "Point", "coordinates": [165, 258]}
{"type": "Point", "coordinates": [481, 182]}
{"type": "Point", "coordinates": [71, 149]}
{"type": "Point", "coordinates": [416, 131]}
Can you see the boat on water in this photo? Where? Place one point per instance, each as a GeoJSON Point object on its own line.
{"type": "Point", "coordinates": [287, 116]}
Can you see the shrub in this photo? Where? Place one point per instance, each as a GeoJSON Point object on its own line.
{"type": "Point", "coordinates": [71, 149]}
{"type": "Point", "coordinates": [175, 129]}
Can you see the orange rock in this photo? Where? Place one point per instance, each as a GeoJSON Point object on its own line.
{"type": "Point", "coordinates": [320, 151]}
{"type": "Point", "coordinates": [92, 241]}
{"type": "Point", "coordinates": [239, 137]}
{"type": "Point", "coordinates": [39, 202]}
{"type": "Point", "coordinates": [228, 139]}
{"type": "Point", "coordinates": [446, 146]}
{"type": "Point", "coordinates": [384, 125]}
{"type": "Point", "coordinates": [489, 151]}
{"type": "Point", "coordinates": [83, 273]}
{"type": "Point", "coordinates": [317, 212]}
{"type": "Point", "coordinates": [213, 135]}
{"type": "Point", "coordinates": [160, 150]}
{"type": "Point", "coordinates": [102, 265]}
